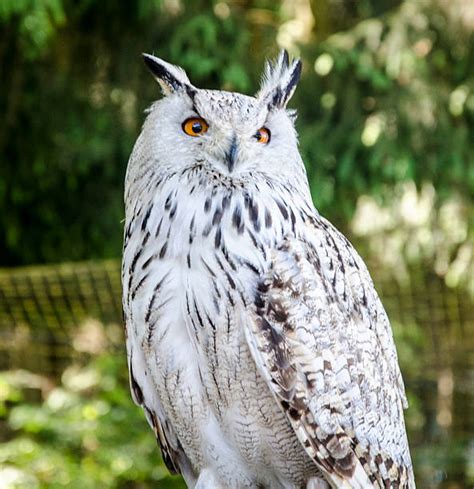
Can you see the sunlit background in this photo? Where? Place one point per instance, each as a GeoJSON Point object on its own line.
{"type": "Point", "coordinates": [386, 124]}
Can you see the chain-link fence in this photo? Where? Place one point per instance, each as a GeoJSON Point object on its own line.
{"type": "Point", "coordinates": [44, 308]}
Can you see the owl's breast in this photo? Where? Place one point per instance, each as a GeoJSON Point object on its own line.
{"type": "Point", "coordinates": [191, 262]}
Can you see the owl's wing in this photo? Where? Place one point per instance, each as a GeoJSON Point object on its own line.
{"type": "Point", "coordinates": [321, 339]}
{"type": "Point", "coordinates": [142, 386]}
{"type": "Point", "coordinates": [144, 395]}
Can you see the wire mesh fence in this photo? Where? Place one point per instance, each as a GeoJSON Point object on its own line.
{"type": "Point", "coordinates": [43, 309]}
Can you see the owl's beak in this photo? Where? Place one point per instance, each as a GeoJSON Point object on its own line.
{"type": "Point", "coordinates": [231, 155]}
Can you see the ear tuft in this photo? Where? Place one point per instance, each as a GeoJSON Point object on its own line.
{"type": "Point", "coordinates": [170, 77]}
{"type": "Point", "coordinates": [279, 80]}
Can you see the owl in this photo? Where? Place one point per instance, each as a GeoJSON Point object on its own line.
{"type": "Point", "coordinates": [257, 345]}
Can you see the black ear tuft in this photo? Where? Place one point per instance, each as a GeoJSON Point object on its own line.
{"type": "Point", "coordinates": [284, 92]}
{"type": "Point", "coordinates": [171, 78]}
{"type": "Point", "coordinates": [286, 59]}
{"type": "Point", "coordinates": [279, 81]}
{"type": "Point", "coordinates": [294, 79]}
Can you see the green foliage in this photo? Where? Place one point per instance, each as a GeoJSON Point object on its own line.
{"type": "Point", "coordinates": [394, 101]}
{"type": "Point", "coordinates": [83, 433]}
{"type": "Point", "coordinates": [388, 99]}
{"type": "Point", "coordinates": [36, 22]}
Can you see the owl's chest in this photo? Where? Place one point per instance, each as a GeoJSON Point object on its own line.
{"type": "Point", "coordinates": [192, 263]}
{"type": "Point", "coordinates": [194, 322]}
{"type": "Point", "coordinates": [191, 271]}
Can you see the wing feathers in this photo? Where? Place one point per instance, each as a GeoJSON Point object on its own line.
{"type": "Point", "coordinates": [321, 340]}
{"type": "Point", "coordinates": [150, 406]}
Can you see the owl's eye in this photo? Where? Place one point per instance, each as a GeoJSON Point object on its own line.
{"type": "Point", "coordinates": [195, 126]}
{"type": "Point", "coordinates": [263, 135]}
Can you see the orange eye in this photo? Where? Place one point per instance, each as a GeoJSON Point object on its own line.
{"type": "Point", "coordinates": [263, 135]}
{"type": "Point", "coordinates": [195, 126]}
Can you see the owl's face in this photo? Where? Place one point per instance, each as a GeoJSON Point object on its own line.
{"type": "Point", "coordinates": [221, 132]}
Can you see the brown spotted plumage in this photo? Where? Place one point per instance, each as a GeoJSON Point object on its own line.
{"type": "Point", "coordinates": [257, 345]}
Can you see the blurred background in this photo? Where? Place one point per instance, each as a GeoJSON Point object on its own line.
{"type": "Point", "coordinates": [386, 119]}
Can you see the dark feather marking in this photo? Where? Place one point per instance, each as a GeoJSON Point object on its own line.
{"type": "Point", "coordinates": [228, 322]}
{"type": "Point", "coordinates": [163, 250]}
{"type": "Point", "coordinates": [230, 298]}
{"type": "Point", "coordinates": [242, 297]}
{"type": "Point", "coordinates": [188, 310]}
{"type": "Point", "coordinates": [166, 451]}
{"type": "Point", "coordinates": [151, 329]}
{"type": "Point", "coordinates": [153, 297]}
{"type": "Point", "coordinates": [279, 313]}
{"type": "Point", "coordinates": [135, 387]}
{"type": "Point", "coordinates": [230, 280]}
{"type": "Point", "coordinates": [227, 274]}
{"type": "Point", "coordinates": [168, 201]}
{"type": "Point", "coordinates": [137, 287]}
{"type": "Point", "coordinates": [216, 304]}
{"type": "Point", "coordinates": [229, 260]}
{"type": "Point", "coordinates": [208, 268]}
{"type": "Point", "coordinates": [133, 265]}
{"type": "Point", "coordinates": [191, 91]}
{"type": "Point", "coordinates": [147, 262]}
{"type": "Point", "coordinates": [217, 217]}
{"type": "Point", "coordinates": [237, 219]}
{"type": "Point", "coordinates": [268, 219]}
{"type": "Point", "coordinates": [207, 205]}
{"type": "Point", "coordinates": [146, 217]}
{"type": "Point", "coordinates": [198, 314]}
{"type": "Point", "coordinates": [145, 238]}
{"type": "Point", "coordinates": [218, 238]}
{"type": "Point", "coordinates": [158, 228]}
{"type": "Point", "coordinates": [207, 230]}
{"type": "Point", "coordinates": [128, 230]}
{"type": "Point", "coordinates": [259, 303]}
{"type": "Point", "coordinates": [253, 214]}
{"type": "Point", "coordinates": [217, 386]}
{"type": "Point", "coordinates": [251, 266]}
{"type": "Point", "coordinates": [213, 326]}
{"type": "Point", "coordinates": [173, 211]}
{"type": "Point", "coordinates": [263, 287]}
{"type": "Point", "coordinates": [293, 219]}
{"type": "Point", "coordinates": [226, 201]}
{"type": "Point", "coordinates": [283, 209]}
{"type": "Point", "coordinates": [216, 289]}
{"type": "Point", "coordinates": [331, 241]}
{"type": "Point", "coordinates": [247, 200]}
{"type": "Point", "coordinates": [257, 244]}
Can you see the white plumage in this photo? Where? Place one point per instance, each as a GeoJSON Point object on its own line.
{"type": "Point", "coordinates": [256, 342]}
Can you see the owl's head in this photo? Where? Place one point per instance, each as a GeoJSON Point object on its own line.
{"type": "Point", "coordinates": [229, 133]}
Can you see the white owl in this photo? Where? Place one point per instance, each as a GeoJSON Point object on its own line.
{"type": "Point", "coordinates": [257, 345]}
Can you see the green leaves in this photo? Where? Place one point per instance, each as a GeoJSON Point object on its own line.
{"type": "Point", "coordinates": [385, 101]}
{"type": "Point", "coordinates": [75, 434]}
{"type": "Point", "coordinates": [38, 22]}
